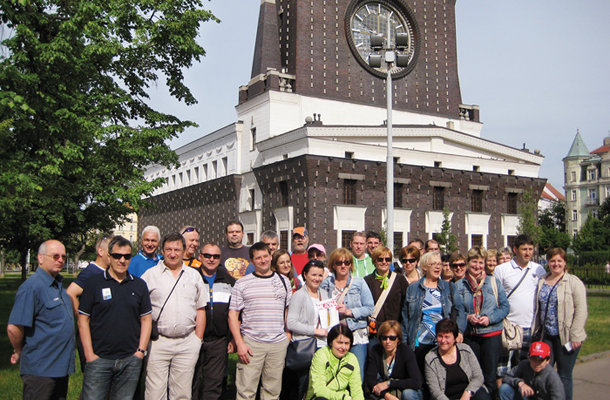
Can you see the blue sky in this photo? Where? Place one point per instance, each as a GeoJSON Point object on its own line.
{"type": "Point", "coordinates": [539, 70]}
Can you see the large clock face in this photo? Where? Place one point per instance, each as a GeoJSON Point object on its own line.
{"type": "Point", "coordinates": [387, 17]}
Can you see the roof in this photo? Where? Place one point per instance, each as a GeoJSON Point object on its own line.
{"type": "Point", "coordinates": [552, 194]}
{"type": "Point", "coordinates": [579, 148]}
{"type": "Point", "coordinates": [601, 150]}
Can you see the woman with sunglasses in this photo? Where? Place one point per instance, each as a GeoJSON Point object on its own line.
{"type": "Point", "coordinates": [409, 259]}
{"type": "Point", "coordinates": [354, 300]}
{"type": "Point", "coordinates": [281, 263]}
{"type": "Point", "coordinates": [391, 370]}
{"type": "Point", "coordinates": [457, 261]}
{"type": "Point", "coordinates": [480, 314]}
{"type": "Point", "coordinates": [378, 281]}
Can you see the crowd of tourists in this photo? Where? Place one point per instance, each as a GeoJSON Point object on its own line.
{"type": "Point", "coordinates": [354, 323]}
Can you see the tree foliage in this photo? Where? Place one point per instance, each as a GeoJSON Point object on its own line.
{"type": "Point", "coordinates": [552, 222]}
{"type": "Point", "coordinates": [76, 129]}
{"type": "Point", "coordinates": [447, 241]}
{"type": "Point", "coordinates": [528, 221]}
{"type": "Point", "coordinates": [593, 236]}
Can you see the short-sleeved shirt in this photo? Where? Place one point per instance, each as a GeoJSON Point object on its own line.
{"type": "Point", "coordinates": [44, 309]}
{"type": "Point", "coordinates": [299, 261]}
{"type": "Point", "coordinates": [115, 307]}
{"type": "Point", "coordinates": [262, 301]}
{"type": "Point", "coordinates": [91, 270]}
{"type": "Point", "coordinates": [190, 295]}
{"type": "Point", "coordinates": [235, 260]}
{"type": "Point", "coordinates": [142, 263]}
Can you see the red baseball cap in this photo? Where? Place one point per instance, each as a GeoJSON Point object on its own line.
{"type": "Point", "coordinates": [540, 349]}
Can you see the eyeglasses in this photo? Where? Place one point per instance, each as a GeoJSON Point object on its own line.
{"type": "Point", "coordinates": [56, 257]}
{"type": "Point", "coordinates": [386, 259]}
{"type": "Point", "coordinates": [208, 255]}
{"type": "Point", "coordinates": [458, 265]}
{"type": "Point", "coordinates": [386, 337]}
{"type": "Point", "coordinates": [408, 260]}
{"type": "Point", "coordinates": [338, 263]}
{"type": "Point", "coordinates": [118, 256]}
{"type": "Point", "coordinates": [191, 229]}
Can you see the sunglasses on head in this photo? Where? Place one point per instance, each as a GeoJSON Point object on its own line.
{"type": "Point", "coordinates": [191, 229]}
{"type": "Point", "coordinates": [386, 337]}
{"type": "Point", "coordinates": [118, 256]}
{"type": "Point", "coordinates": [208, 255]}
{"type": "Point", "coordinates": [343, 262]}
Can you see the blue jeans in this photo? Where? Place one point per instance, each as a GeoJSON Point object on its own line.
{"type": "Point", "coordinates": [507, 392]}
{"type": "Point", "coordinates": [410, 394]}
{"type": "Point", "coordinates": [113, 379]}
{"type": "Point", "coordinates": [360, 351]}
{"type": "Point", "coordinates": [487, 350]}
{"type": "Point", "coordinates": [565, 362]}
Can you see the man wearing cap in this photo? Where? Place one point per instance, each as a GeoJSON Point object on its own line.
{"type": "Point", "coordinates": [362, 261]}
{"type": "Point", "coordinates": [534, 379]}
{"type": "Point", "coordinates": [300, 241]}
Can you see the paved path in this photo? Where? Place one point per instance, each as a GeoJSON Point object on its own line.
{"type": "Point", "coordinates": [592, 379]}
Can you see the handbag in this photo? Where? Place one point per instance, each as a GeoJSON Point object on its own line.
{"type": "Point", "coordinates": [154, 332]}
{"type": "Point", "coordinates": [300, 353]}
{"type": "Point", "coordinates": [512, 334]}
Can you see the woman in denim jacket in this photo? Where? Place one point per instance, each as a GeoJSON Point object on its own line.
{"type": "Point", "coordinates": [355, 306]}
{"type": "Point", "coordinates": [480, 313]}
{"type": "Point", "coordinates": [428, 301]}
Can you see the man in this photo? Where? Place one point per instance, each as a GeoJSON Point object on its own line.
{"type": "Point", "coordinates": [432, 245]}
{"type": "Point", "coordinates": [271, 239]}
{"type": "Point", "coordinates": [235, 255]}
{"type": "Point", "coordinates": [521, 293]}
{"type": "Point", "coordinates": [362, 261]}
{"type": "Point", "coordinates": [147, 257]}
{"type": "Point", "coordinates": [417, 242]}
{"type": "Point", "coordinates": [213, 358]}
{"type": "Point", "coordinates": [41, 328]}
{"type": "Point", "coordinates": [114, 322]}
{"type": "Point", "coordinates": [260, 336]}
{"type": "Point", "coordinates": [300, 243]}
{"type": "Point", "coordinates": [534, 379]}
{"type": "Point", "coordinates": [191, 238]}
{"type": "Point", "coordinates": [373, 240]}
{"type": "Point", "coordinates": [173, 356]}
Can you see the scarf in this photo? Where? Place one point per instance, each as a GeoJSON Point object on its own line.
{"type": "Point", "coordinates": [476, 284]}
{"type": "Point", "coordinates": [383, 279]}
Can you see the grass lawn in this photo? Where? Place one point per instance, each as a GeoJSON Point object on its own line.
{"type": "Point", "coordinates": [598, 331]}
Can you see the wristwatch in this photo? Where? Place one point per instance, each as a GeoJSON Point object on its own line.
{"type": "Point", "coordinates": [143, 352]}
{"type": "Point", "coordinates": [471, 393]}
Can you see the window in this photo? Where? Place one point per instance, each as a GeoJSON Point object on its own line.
{"type": "Point", "coordinates": [511, 241]}
{"type": "Point", "coordinates": [214, 171]}
{"type": "Point", "coordinates": [477, 201]}
{"type": "Point", "coordinates": [511, 203]}
{"type": "Point", "coordinates": [398, 240]}
{"type": "Point", "coordinates": [573, 176]}
{"type": "Point", "coordinates": [593, 194]}
{"type": "Point", "coordinates": [284, 240]}
{"type": "Point", "coordinates": [225, 165]}
{"type": "Point", "coordinates": [398, 195]}
{"type": "Point", "coordinates": [477, 240]}
{"type": "Point", "coordinates": [205, 172]}
{"type": "Point", "coordinates": [573, 195]}
{"type": "Point", "coordinates": [250, 237]}
{"type": "Point", "coordinates": [252, 193]}
{"type": "Point", "coordinates": [283, 195]}
{"type": "Point", "coordinates": [476, 168]}
{"type": "Point", "coordinates": [438, 198]}
{"type": "Point", "coordinates": [608, 191]}
{"type": "Point", "coordinates": [574, 215]}
{"type": "Point", "coordinates": [349, 154]}
{"type": "Point", "coordinates": [346, 238]}
{"type": "Point", "coordinates": [592, 174]}
{"type": "Point", "coordinates": [437, 164]}
{"type": "Point", "coordinates": [188, 177]}
{"type": "Point", "coordinates": [252, 139]}
{"type": "Point", "coordinates": [196, 176]}
{"type": "Point", "coordinates": [349, 191]}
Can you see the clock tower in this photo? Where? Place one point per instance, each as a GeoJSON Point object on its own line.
{"type": "Point", "coordinates": [319, 49]}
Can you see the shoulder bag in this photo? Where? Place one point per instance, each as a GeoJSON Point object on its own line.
{"type": "Point", "coordinates": [512, 334]}
{"type": "Point", "coordinates": [154, 333]}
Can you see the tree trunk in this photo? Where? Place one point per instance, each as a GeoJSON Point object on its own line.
{"type": "Point", "coordinates": [76, 259]}
{"type": "Point", "coordinates": [2, 262]}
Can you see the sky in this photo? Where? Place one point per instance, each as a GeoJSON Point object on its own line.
{"type": "Point", "coordinates": [539, 70]}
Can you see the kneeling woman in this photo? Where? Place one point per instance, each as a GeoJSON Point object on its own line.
{"type": "Point", "coordinates": [334, 372]}
{"type": "Point", "coordinates": [452, 369]}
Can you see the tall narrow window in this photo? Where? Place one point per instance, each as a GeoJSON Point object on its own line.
{"type": "Point", "coordinates": [511, 203]}
{"type": "Point", "coordinates": [349, 191]}
{"type": "Point", "coordinates": [283, 194]}
{"type": "Point", "coordinates": [477, 240]}
{"type": "Point", "coordinates": [252, 139]}
{"type": "Point", "coordinates": [398, 195]}
{"type": "Point", "coordinates": [346, 238]}
{"type": "Point", "coordinates": [284, 240]}
{"type": "Point", "coordinates": [477, 201]}
{"type": "Point", "coordinates": [252, 199]}
{"type": "Point", "coordinates": [438, 198]}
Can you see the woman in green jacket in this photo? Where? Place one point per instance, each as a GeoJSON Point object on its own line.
{"type": "Point", "coordinates": [335, 372]}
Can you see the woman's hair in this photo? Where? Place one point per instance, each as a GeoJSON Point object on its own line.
{"type": "Point", "coordinates": [447, 325]}
{"type": "Point", "coordinates": [409, 250]}
{"type": "Point", "coordinates": [276, 256]}
{"type": "Point", "coordinates": [427, 258]}
{"type": "Point", "coordinates": [505, 250]}
{"type": "Point", "coordinates": [387, 326]}
{"type": "Point", "coordinates": [557, 251]}
{"type": "Point", "coordinates": [477, 252]}
{"type": "Point", "coordinates": [340, 254]}
{"type": "Point", "coordinates": [337, 331]}
{"type": "Point", "coordinates": [380, 251]}
{"type": "Point", "coordinates": [456, 256]}
{"type": "Point", "coordinates": [492, 253]}
{"type": "Point", "coordinates": [311, 264]}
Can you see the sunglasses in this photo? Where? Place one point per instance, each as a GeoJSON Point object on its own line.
{"type": "Point", "coordinates": [459, 265]}
{"type": "Point", "coordinates": [386, 337]}
{"type": "Point", "coordinates": [208, 255]}
{"type": "Point", "coordinates": [191, 229]}
{"type": "Point", "coordinates": [56, 257]}
{"type": "Point", "coordinates": [386, 259]}
{"type": "Point", "coordinates": [118, 256]}
{"type": "Point", "coordinates": [343, 262]}
{"type": "Point", "coordinates": [408, 260]}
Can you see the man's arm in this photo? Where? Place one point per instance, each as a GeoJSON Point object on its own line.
{"type": "Point", "coordinates": [145, 329]}
{"type": "Point", "coordinates": [74, 291]}
{"type": "Point", "coordinates": [16, 333]}
{"type": "Point", "coordinates": [85, 336]}
{"type": "Point", "coordinates": [243, 351]}
{"type": "Point", "coordinates": [200, 323]}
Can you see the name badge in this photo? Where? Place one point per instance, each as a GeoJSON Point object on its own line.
{"type": "Point", "coordinates": [106, 294]}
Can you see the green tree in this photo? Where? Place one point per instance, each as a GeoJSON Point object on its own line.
{"type": "Point", "coordinates": [447, 241]}
{"type": "Point", "coordinates": [593, 236]}
{"type": "Point", "coordinates": [552, 222]}
{"type": "Point", "coordinates": [78, 132]}
{"type": "Point", "coordinates": [528, 210]}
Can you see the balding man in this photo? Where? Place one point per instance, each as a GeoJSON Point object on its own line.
{"type": "Point", "coordinates": [191, 238]}
{"type": "Point", "coordinates": [41, 328]}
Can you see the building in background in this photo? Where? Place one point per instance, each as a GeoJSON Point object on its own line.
{"type": "Point", "coordinates": [309, 145]}
{"type": "Point", "coordinates": [549, 197]}
{"type": "Point", "coordinates": [129, 230]}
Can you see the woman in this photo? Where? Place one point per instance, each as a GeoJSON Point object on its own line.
{"type": "Point", "coordinates": [304, 320]}
{"type": "Point", "coordinates": [458, 265]}
{"type": "Point", "coordinates": [452, 370]}
{"type": "Point", "coordinates": [318, 252]}
{"type": "Point", "coordinates": [377, 281]}
{"type": "Point", "coordinates": [447, 273]}
{"type": "Point", "coordinates": [491, 262]}
{"type": "Point", "coordinates": [427, 302]}
{"type": "Point", "coordinates": [409, 258]}
{"type": "Point", "coordinates": [480, 314]}
{"type": "Point", "coordinates": [391, 370]}
{"type": "Point", "coordinates": [335, 372]}
{"type": "Point", "coordinates": [504, 255]}
{"type": "Point", "coordinates": [562, 313]}
{"type": "Point", "coordinates": [354, 300]}
{"type": "Point", "coordinates": [282, 264]}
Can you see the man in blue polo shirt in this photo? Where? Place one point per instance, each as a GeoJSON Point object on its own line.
{"type": "Point", "coordinates": [41, 328]}
{"type": "Point", "coordinates": [147, 257]}
{"type": "Point", "coordinates": [114, 322]}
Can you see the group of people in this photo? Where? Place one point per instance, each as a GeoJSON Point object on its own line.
{"type": "Point", "coordinates": [352, 324]}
